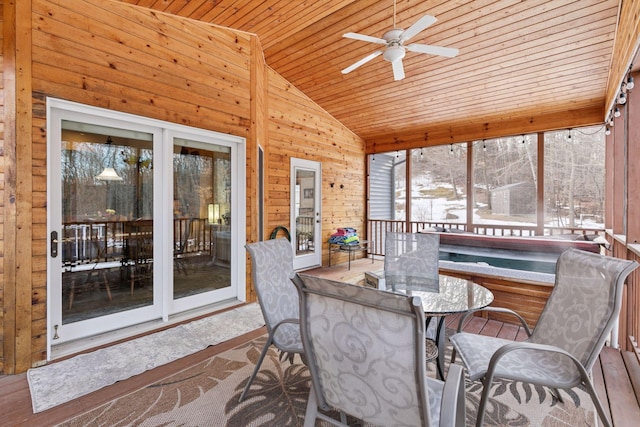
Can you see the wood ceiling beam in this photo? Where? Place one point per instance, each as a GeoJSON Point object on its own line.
{"type": "Point", "coordinates": [494, 127]}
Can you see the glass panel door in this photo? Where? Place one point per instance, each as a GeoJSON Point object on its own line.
{"type": "Point", "coordinates": [305, 213]}
{"type": "Point", "coordinates": [202, 214]}
{"type": "Point", "coordinates": [106, 240]}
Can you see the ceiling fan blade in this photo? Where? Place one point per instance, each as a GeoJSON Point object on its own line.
{"type": "Point", "coordinates": [361, 62]}
{"type": "Point", "coordinates": [398, 70]}
{"type": "Point", "coordinates": [418, 26]}
{"type": "Point", "coordinates": [364, 38]}
{"type": "Point", "coordinates": [448, 52]}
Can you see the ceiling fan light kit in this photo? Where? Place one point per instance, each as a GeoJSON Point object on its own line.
{"type": "Point", "coordinates": [394, 53]}
{"type": "Point", "coordinates": [395, 50]}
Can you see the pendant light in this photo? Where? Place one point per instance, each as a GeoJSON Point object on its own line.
{"type": "Point", "coordinates": [109, 173]}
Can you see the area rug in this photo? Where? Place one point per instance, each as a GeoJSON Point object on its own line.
{"type": "Point", "coordinates": [60, 382]}
{"type": "Point", "coordinates": [207, 393]}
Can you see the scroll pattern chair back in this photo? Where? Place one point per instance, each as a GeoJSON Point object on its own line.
{"type": "Point", "coordinates": [365, 351]}
{"type": "Point", "coordinates": [272, 270]}
{"type": "Point", "coordinates": [411, 264]}
{"type": "Point", "coordinates": [411, 261]}
{"type": "Point", "coordinates": [573, 327]}
{"type": "Point", "coordinates": [584, 305]}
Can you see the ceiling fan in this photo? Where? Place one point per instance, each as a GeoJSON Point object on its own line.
{"type": "Point", "coordinates": [395, 49]}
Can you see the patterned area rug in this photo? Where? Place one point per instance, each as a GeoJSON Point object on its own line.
{"type": "Point", "coordinates": [207, 393]}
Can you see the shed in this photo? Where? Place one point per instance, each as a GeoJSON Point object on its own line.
{"type": "Point", "coordinates": [514, 199]}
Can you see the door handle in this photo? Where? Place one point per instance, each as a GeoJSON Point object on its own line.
{"type": "Point", "coordinates": [54, 244]}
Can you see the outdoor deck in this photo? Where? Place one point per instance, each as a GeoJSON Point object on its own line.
{"type": "Point", "coordinates": [616, 374]}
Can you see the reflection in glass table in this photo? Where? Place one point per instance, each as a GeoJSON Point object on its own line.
{"type": "Point", "coordinates": [452, 295]}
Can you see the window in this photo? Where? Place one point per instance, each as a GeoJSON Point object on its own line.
{"type": "Point", "coordinates": [505, 184]}
{"type": "Point", "coordinates": [574, 178]}
{"type": "Point", "coordinates": [439, 184]}
{"type": "Point", "coordinates": [505, 181]}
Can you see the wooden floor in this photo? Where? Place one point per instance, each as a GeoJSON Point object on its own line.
{"type": "Point", "coordinates": [615, 374]}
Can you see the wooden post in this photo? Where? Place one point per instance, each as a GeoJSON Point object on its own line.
{"type": "Point", "coordinates": [540, 187]}
{"type": "Point", "coordinates": [633, 158]}
{"type": "Point", "coordinates": [17, 214]}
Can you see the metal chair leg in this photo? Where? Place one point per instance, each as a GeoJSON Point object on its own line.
{"type": "Point", "coordinates": [486, 389]}
{"type": "Point", "coordinates": [596, 402]}
{"type": "Point", "coordinates": [312, 409]}
{"type": "Point", "coordinates": [257, 368]}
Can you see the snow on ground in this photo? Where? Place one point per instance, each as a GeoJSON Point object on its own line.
{"type": "Point", "coordinates": [441, 209]}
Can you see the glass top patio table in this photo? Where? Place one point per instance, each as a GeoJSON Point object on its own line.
{"type": "Point", "coordinates": [451, 295]}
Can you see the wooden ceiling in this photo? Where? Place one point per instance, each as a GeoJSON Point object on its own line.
{"type": "Point", "coordinates": [542, 63]}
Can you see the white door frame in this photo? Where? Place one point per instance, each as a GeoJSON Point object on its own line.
{"type": "Point", "coordinates": [313, 258]}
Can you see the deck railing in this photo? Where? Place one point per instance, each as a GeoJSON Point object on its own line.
{"type": "Point", "coordinates": [629, 327]}
{"type": "Point", "coordinates": [377, 229]}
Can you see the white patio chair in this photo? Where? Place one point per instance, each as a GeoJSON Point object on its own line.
{"type": "Point", "coordinates": [411, 261]}
{"type": "Point", "coordinates": [272, 270]}
{"type": "Point", "coordinates": [365, 350]}
{"type": "Point", "coordinates": [411, 264]}
{"type": "Point", "coordinates": [569, 335]}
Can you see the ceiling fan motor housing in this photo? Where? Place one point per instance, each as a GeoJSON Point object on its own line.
{"type": "Point", "coordinates": [394, 50]}
{"type": "Point", "coordinates": [393, 35]}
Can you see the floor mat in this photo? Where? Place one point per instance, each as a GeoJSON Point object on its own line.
{"type": "Point", "coordinates": [60, 382]}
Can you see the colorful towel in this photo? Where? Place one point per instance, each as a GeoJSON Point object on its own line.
{"type": "Point", "coordinates": [344, 235]}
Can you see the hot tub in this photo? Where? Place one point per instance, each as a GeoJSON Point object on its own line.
{"type": "Point", "coordinates": [519, 253]}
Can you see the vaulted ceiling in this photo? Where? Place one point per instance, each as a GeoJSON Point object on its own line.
{"type": "Point", "coordinates": [522, 65]}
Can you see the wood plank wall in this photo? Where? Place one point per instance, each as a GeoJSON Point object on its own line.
{"type": "Point", "coordinates": [631, 309]}
{"type": "Point", "coordinates": [621, 214]}
{"type": "Point", "coordinates": [3, 188]}
{"type": "Point", "coordinates": [299, 128]}
{"type": "Point", "coordinates": [130, 59]}
{"type": "Point", "coordinates": [133, 60]}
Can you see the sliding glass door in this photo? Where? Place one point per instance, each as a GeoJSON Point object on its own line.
{"type": "Point", "coordinates": [139, 220]}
